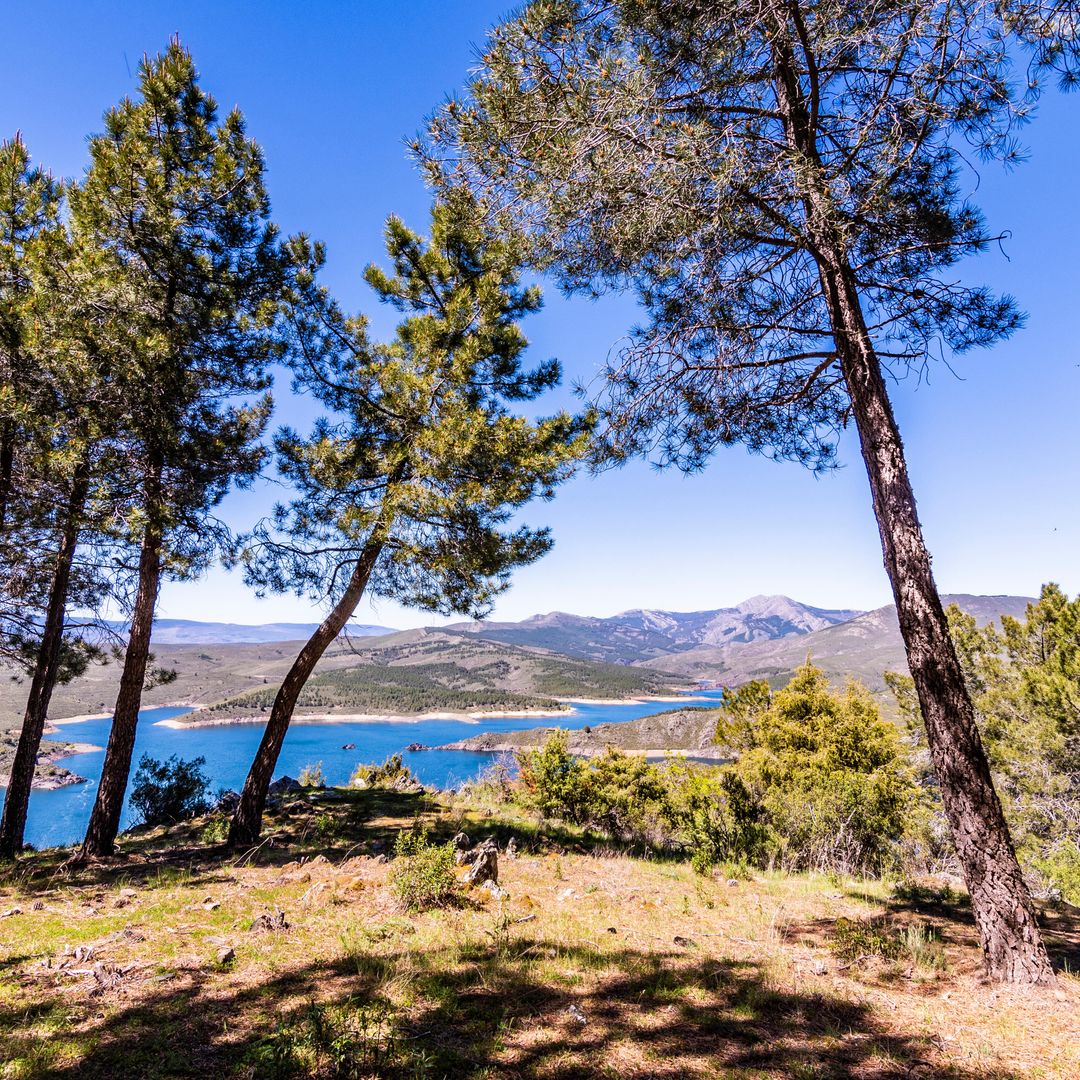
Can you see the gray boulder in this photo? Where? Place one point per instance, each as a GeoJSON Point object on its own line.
{"type": "Point", "coordinates": [483, 863]}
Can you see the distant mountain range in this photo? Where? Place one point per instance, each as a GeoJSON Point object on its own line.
{"type": "Point", "coordinates": [191, 632]}
{"type": "Point", "coordinates": [863, 647]}
{"type": "Point", "coordinates": [641, 636]}
{"type": "Point", "coordinates": [763, 637]}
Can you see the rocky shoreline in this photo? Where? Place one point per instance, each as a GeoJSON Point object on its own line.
{"type": "Point", "coordinates": [48, 776]}
{"type": "Point", "coordinates": [686, 732]}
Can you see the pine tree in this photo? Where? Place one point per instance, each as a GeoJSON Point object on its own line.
{"type": "Point", "coordinates": [779, 182]}
{"type": "Point", "coordinates": [407, 489]}
{"type": "Point", "coordinates": [29, 209]}
{"type": "Point", "coordinates": [191, 275]}
{"type": "Point", "coordinates": [59, 471]}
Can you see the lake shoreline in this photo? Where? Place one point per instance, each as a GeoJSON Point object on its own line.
{"type": "Point", "coordinates": [370, 718]}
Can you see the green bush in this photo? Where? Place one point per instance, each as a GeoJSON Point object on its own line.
{"type": "Point", "coordinates": [311, 776]}
{"type": "Point", "coordinates": [347, 1041]}
{"type": "Point", "coordinates": [832, 778]}
{"type": "Point", "coordinates": [216, 830]}
{"type": "Point", "coordinates": [552, 779]}
{"type": "Point", "coordinates": [164, 793]}
{"type": "Point", "coordinates": [424, 874]}
{"type": "Point", "coordinates": [390, 773]}
{"type": "Point", "coordinates": [714, 814]}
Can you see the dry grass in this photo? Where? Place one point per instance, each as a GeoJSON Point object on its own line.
{"type": "Point", "coordinates": [597, 964]}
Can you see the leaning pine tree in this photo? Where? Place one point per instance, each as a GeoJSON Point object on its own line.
{"type": "Point", "coordinates": [779, 183]}
{"type": "Point", "coordinates": [407, 490]}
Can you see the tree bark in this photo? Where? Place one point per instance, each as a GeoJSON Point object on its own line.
{"type": "Point", "coordinates": [7, 468]}
{"type": "Point", "coordinates": [1012, 946]}
{"type": "Point", "coordinates": [247, 819]}
{"type": "Point", "coordinates": [105, 817]}
{"type": "Point", "coordinates": [46, 671]}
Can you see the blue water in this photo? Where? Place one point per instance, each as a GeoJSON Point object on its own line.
{"type": "Point", "coordinates": [60, 817]}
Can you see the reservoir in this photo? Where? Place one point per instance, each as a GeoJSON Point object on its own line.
{"type": "Point", "coordinates": [60, 816]}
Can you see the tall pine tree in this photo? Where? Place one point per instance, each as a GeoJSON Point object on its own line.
{"type": "Point", "coordinates": [174, 196]}
{"type": "Point", "coordinates": [779, 182]}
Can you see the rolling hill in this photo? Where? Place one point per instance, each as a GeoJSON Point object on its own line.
{"type": "Point", "coordinates": [416, 671]}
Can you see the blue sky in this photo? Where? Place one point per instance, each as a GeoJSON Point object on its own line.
{"type": "Point", "coordinates": [331, 90]}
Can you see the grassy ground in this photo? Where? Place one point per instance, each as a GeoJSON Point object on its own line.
{"type": "Point", "coordinates": [597, 963]}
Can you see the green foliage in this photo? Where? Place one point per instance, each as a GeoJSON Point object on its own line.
{"type": "Point", "coordinates": [705, 810]}
{"type": "Point", "coordinates": [347, 1041]}
{"type": "Point", "coordinates": [830, 774]}
{"type": "Point", "coordinates": [424, 874]}
{"type": "Point", "coordinates": [552, 778]}
{"type": "Point", "coordinates": [579, 115]}
{"type": "Point", "coordinates": [216, 830]}
{"type": "Point", "coordinates": [391, 773]}
{"type": "Point", "coordinates": [311, 776]}
{"type": "Point", "coordinates": [853, 940]}
{"type": "Point", "coordinates": [714, 811]}
{"type": "Point", "coordinates": [417, 471]}
{"type": "Point", "coordinates": [173, 218]}
{"type": "Point", "coordinates": [163, 793]}
{"type": "Point", "coordinates": [410, 688]}
{"type": "Point", "coordinates": [1024, 679]}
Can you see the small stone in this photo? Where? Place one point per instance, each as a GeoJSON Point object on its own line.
{"type": "Point", "coordinates": [577, 1015]}
{"type": "Point", "coordinates": [461, 842]}
{"type": "Point", "coordinates": [269, 922]}
{"type": "Point", "coordinates": [128, 894]}
{"type": "Point", "coordinates": [818, 967]}
{"type": "Point", "coordinates": [11, 911]}
{"type": "Point", "coordinates": [612, 930]}
{"type": "Point", "coordinates": [512, 848]}
{"type": "Point", "coordinates": [495, 890]}
{"type": "Point", "coordinates": [685, 942]}
{"type": "Point", "coordinates": [733, 882]}
{"type": "Point", "coordinates": [225, 955]}
{"type": "Point", "coordinates": [210, 904]}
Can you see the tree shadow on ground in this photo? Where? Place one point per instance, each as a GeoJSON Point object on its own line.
{"type": "Point", "coordinates": [477, 1009]}
{"type": "Point", "coordinates": [336, 823]}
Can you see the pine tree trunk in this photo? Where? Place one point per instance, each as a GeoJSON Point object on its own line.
{"type": "Point", "coordinates": [7, 468]}
{"type": "Point", "coordinates": [247, 819]}
{"type": "Point", "coordinates": [46, 670]}
{"type": "Point", "coordinates": [1012, 946]}
{"type": "Point", "coordinates": [105, 817]}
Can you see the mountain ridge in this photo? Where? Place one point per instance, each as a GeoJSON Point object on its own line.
{"type": "Point", "coordinates": [639, 635]}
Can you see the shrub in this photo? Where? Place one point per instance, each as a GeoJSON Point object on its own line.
{"type": "Point", "coordinates": [311, 776]}
{"type": "Point", "coordinates": [164, 793]}
{"type": "Point", "coordinates": [391, 773]}
{"type": "Point", "coordinates": [216, 830]}
{"type": "Point", "coordinates": [714, 814]}
{"type": "Point", "coordinates": [831, 776]}
{"type": "Point", "coordinates": [551, 779]}
{"type": "Point", "coordinates": [853, 940]}
{"type": "Point", "coordinates": [424, 874]}
{"type": "Point", "coordinates": [351, 1040]}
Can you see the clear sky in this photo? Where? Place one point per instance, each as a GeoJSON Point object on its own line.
{"type": "Point", "coordinates": [331, 90]}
